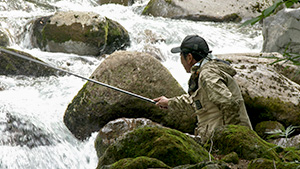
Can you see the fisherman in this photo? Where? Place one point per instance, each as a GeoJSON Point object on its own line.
{"type": "Point", "coordinates": [213, 94]}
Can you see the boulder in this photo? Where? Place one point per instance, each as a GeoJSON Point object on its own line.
{"type": "Point", "coordinates": [167, 145]}
{"type": "Point", "coordinates": [265, 128]}
{"type": "Point", "coordinates": [140, 73]}
{"type": "Point", "coordinates": [19, 132]}
{"type": "Point", "coordinates": [205, 165]}
{"type": "Point", "coordinates": [245, 142]}
{"type": "Point", "coordinates": [138, 162]}
{"type": "Point", "coordinates": [150, 41]}
{"type": "Point", "coordinates": [4, 40]}
{"type": "Point", "coordinates": [269, 164]}
{"type": "Point", "coordinates": [82, 33]}
{"type": "Point", "coordinates": [288, 142]}
{"type": "Point", "coordinates": [12, 65]}
{"type": "Point", "coordinates": [116, 129]}
{"type": "Point", "coordinates": [232, 157]}
{"type": "Point", "coordinates": [121, 2]}
{"type": "Point", "coordinates": [205, 10]}
{"type": "Point", "coordinates": [268, 93]}
{"type": "Point", "coordinates": [281, 32]}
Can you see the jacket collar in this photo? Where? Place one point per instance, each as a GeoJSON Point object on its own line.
{"type": "Point", "coordinates": [199, 64]}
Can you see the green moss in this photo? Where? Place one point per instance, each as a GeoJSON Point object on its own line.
{"type": "Point", "coordinates": [170, 146]}
{"type": "Point", "coordinates": [75, 32]}
{"type": "Point", "coordinates": [264, 109]}
{"type": "Point", "coordinates": [139, 163]}
{"type": "Point", "coordinates": [245, 142]}
{"type": "Point", "coordinates": [290, 154]}
{"type": "Point", "coordinates": [148, 7]}
{"type": "Point", "coordinates": [12, 65]}
{"type": "Point", "coordinates": [87, 122]}
{"type": "Point", "coordinates": [105, 28]}
{"type": "Point", "coordinates": [168, 1]}
{"type": "Point", "coordinates": [266, 126]}
{"type": "Point", "coordinates": [270, 164]}
{"type": "Point", "coordinates": [205, 165]}
{"type": "Point", "coordinates": [234, 17]}
{"type": "Point", "coordinates": [231, 158]}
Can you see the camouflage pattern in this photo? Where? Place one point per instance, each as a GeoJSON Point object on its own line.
{"type": "Point", "coordinates": [214, 96]}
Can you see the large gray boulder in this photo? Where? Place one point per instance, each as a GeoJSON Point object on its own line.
{"type": "Point", "coordinates": [282, 31]}
{"type": "Point", "coordinates": [206, 10]}
{"type": "Point", "coordinates": [140, 73]}
{"type": "Point", "coordinates": [82, 33]}
{"type": "Point", "coordinates": [268, 92]}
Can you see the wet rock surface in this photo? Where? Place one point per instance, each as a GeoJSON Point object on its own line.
{"type": "Point", "coordinates": [82, 33]}
{"type": "Point", "coordinates": [18, 132]}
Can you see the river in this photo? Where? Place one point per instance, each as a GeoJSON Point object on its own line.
{"type": "Point", "coordinates": [39, 103]}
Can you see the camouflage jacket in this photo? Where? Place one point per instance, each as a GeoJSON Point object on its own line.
{"type": "Point", "coordinates": [214, 96]}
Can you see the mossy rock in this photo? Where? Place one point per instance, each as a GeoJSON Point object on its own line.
{"type": "Point", "coordinates": [232, 157]}
{"type": "Point", "coordinates": [82, 33]}
{"type": "Point", "coordinates": [264, 127]}
{"type": "Point", "coordinates": [136, 163]}
{"type": "Point", "coordinates": [162, 8]}
{"type": "Point", "coordinates": [245, 142]}
{"type": "Point", "coordinates": [13, 65]}
{"type": "Point", "coordinates": [270, 164]}
{"type": "Point", "coordinates": [115, 129]}
{"type": "Point", "coordinates": [140, 73]}
{"type": "Point", "coordinates": [200, 17]}
{"type": "Point", "coordinates": [205, 165]}
{"type": "Point", "coordinates": [170, 146]}
{"type": "Point", "coordinates": [264, 109]}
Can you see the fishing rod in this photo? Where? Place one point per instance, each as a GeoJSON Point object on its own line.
{"type": "Point", "coordinates": [76, 75]}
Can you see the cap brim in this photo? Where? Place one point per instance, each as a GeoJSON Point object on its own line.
{"type": "Point", "coordinates": [176, 50]}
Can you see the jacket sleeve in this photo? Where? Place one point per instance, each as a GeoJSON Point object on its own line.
{"type": "Point", "coordinates": [214, 83]}
{"type": "Point", "coordinates": [181, 103]}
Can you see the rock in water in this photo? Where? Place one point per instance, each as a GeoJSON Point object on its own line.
{"type": "Point", "coordinates": [140, 73]}
{"type": "Point", "coordinates": [82, 33]}
{"type": "Point", "coordinates": [13, 65]}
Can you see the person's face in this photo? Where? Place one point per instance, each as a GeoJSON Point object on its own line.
{"type": "Point", "coordinates": [185, 62]}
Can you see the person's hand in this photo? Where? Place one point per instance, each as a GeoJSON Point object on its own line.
{"type": "Point", "coordinates": [162, 102]}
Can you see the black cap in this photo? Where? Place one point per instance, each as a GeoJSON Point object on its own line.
{"type": "Point", "coordinates": [192, 43]}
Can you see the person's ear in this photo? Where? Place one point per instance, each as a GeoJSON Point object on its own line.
{"type": "Point", "coordinates": [189, 58]}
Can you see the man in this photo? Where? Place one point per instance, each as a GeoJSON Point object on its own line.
{"type": "Point", "coordinates": [213, 94]}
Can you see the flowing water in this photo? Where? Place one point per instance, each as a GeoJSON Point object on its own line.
{"type": "Point", "coordinates": [32, 132]}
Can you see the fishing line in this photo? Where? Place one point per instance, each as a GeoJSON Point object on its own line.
{"type": "Point", "coordinates": [76, 75]}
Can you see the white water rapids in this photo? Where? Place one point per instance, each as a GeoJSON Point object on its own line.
{"type": "Point", "coordinates": [41, 102]}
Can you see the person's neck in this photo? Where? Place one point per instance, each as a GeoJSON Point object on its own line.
{"type": "Point", "coordinates": [193, 62]}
